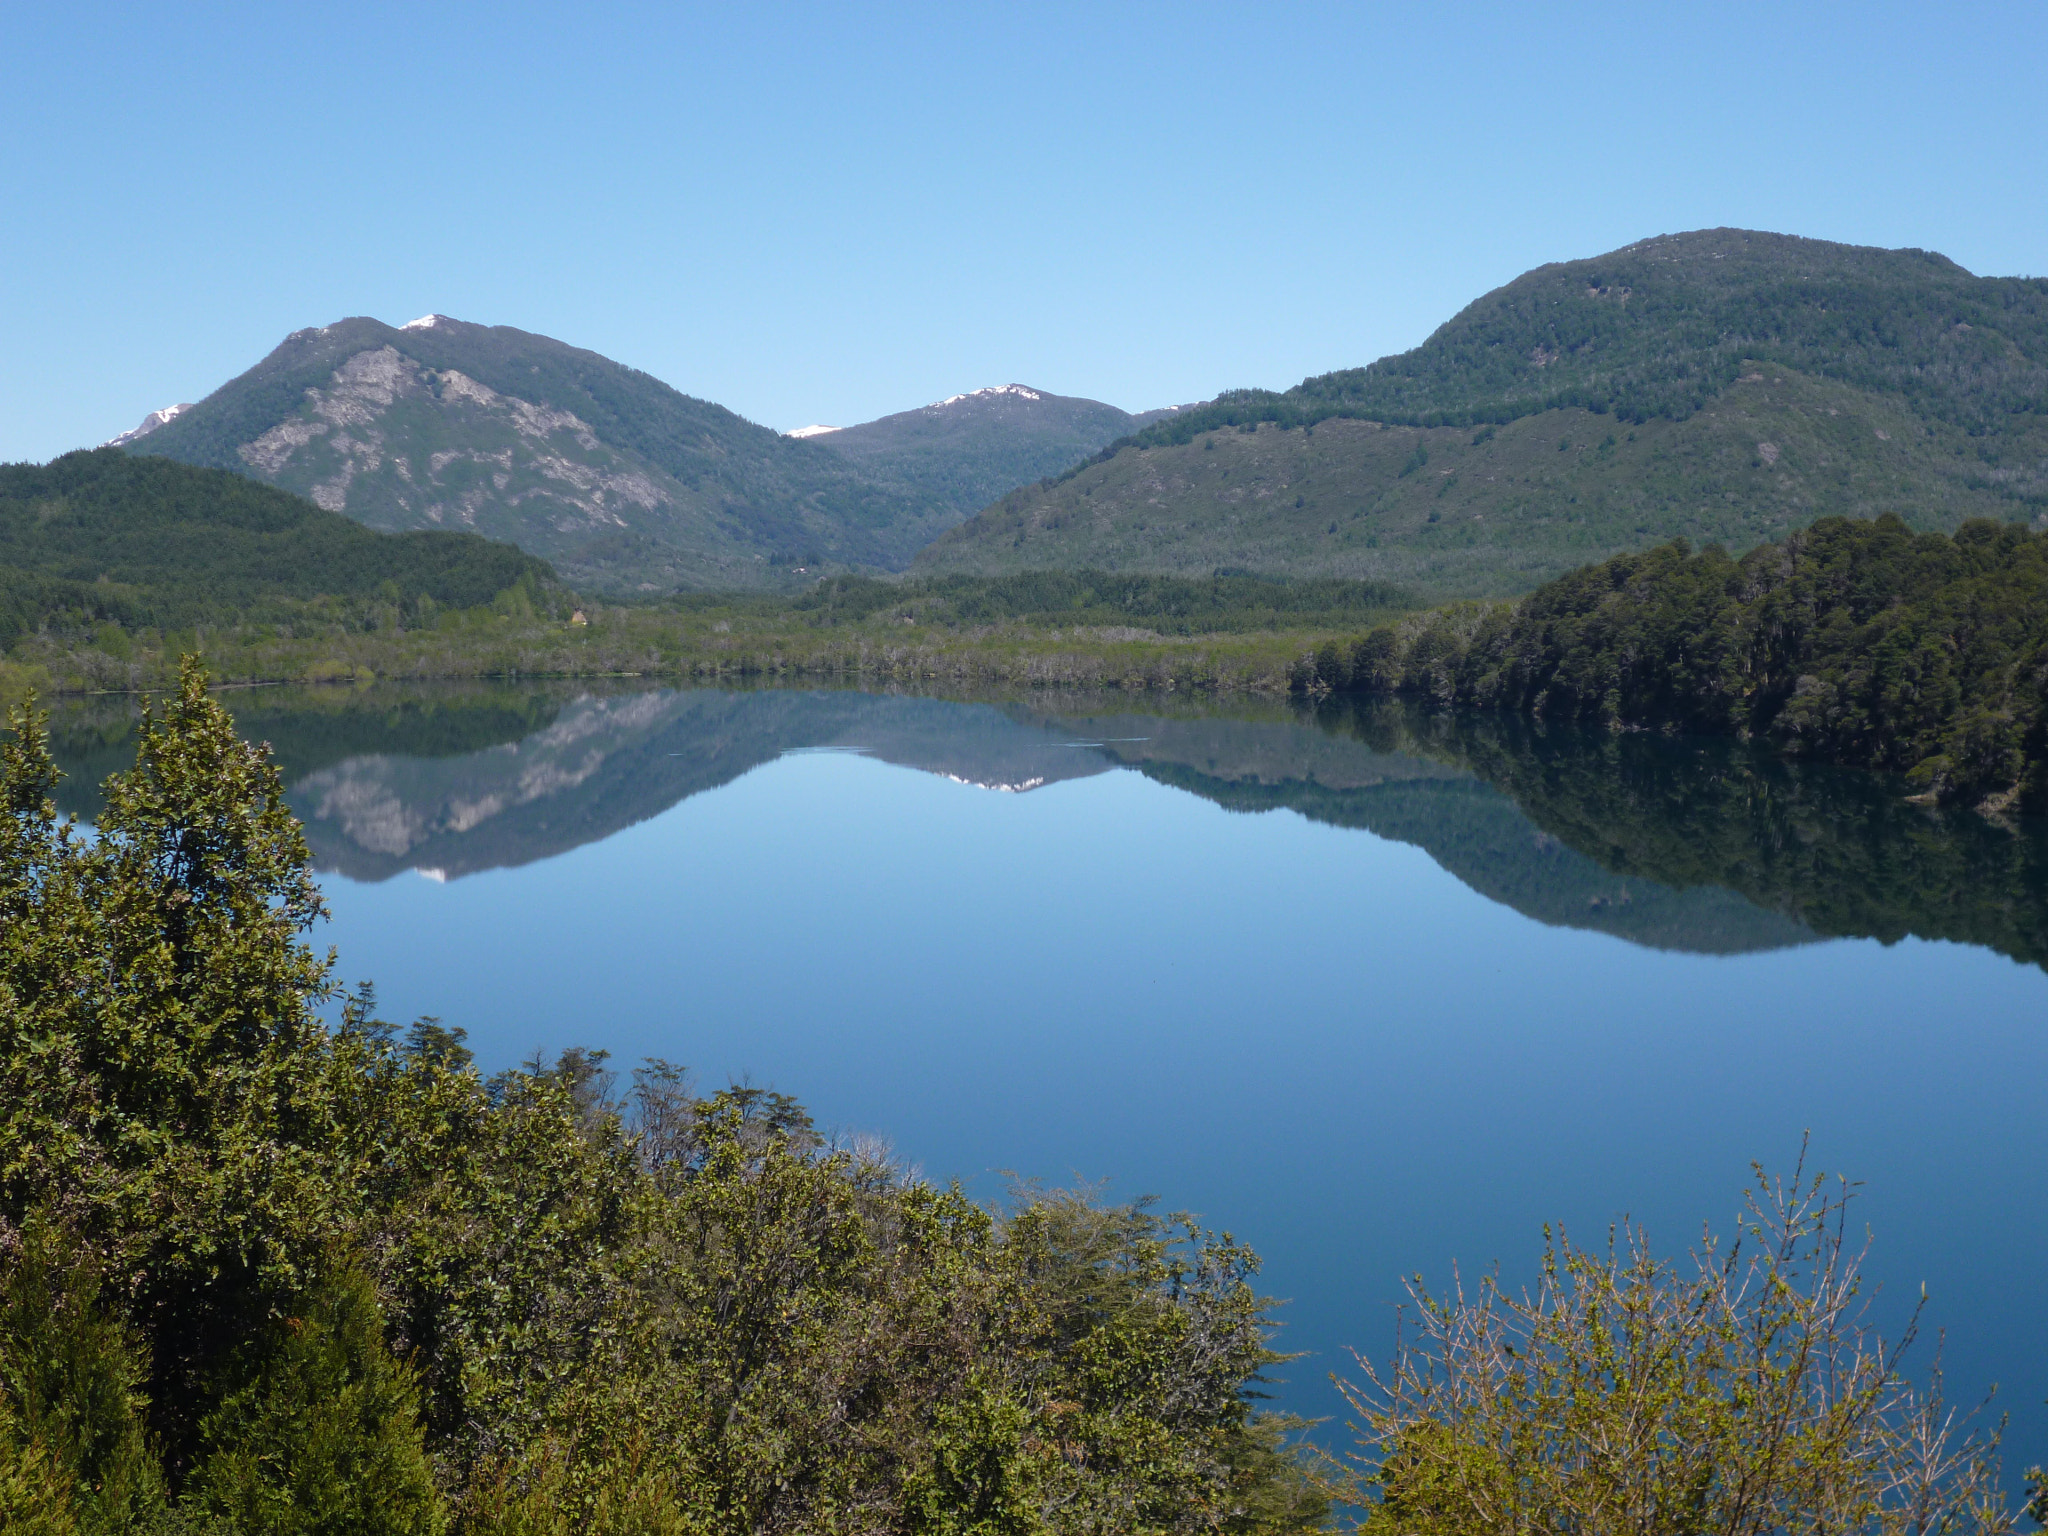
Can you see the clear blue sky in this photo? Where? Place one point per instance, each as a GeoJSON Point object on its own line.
{"type": "Point", "coordinates": [826, 213]}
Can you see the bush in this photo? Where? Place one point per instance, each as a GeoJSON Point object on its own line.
{"type": "Point", "coordinates": [74, 1455]}
{"type": "Point", "coordinates": [1742, 1393]}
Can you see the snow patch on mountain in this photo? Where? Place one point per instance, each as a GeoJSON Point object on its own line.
{"type": "Point", "coordinates": [814, 430]}
{"type": "Point", "coordinates": [424, 323]}
{"type": "Point", "coordinates": [150, 423]}
{"type": "Point", "coordinates": [982, 394]}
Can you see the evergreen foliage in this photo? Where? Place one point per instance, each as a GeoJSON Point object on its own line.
{"type": "Point", "coordinates": [314, 1429]}
{"type": "Point", "coordinates": [73, 1452]}
{"type": "Point", "coordinates": [1659, 328]}
{"type": "Point", "coordinates": [1852, 642]}
{"type": "Point", "coordinates": [108, 535]}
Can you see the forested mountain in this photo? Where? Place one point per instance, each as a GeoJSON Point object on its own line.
{"type": "Point", "coordinates": [970, 449]}
{"type": "Point", "coordinates": [618, 479]}
{"type": "Point", "coordinates": [145, 541]}
{"type": "Point", "coordinates": [1724, 385]}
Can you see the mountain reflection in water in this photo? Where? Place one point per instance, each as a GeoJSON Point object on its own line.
{"type": "Point", "coordinates": [1690, 845]}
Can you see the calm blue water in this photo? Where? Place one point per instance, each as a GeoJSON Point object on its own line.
{"type": "Point", "coordinates": [1434, 995]}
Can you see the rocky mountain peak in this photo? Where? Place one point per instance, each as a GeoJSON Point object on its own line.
{"type": "Point", "coordinates": [993, 392]}
{"type": "Point", "coordinates": [148, 425]}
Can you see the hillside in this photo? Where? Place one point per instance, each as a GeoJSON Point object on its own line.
{"type": "Point", "coordinates": [968, 450]}
{"type": "Point", "coordinates": [620, 480]}
{"type": "Point", "coordinates": [147, 541]}
{"type": "Point", "coordinates": [1723, 386]}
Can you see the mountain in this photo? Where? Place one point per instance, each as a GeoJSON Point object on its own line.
{"type": "Point", "coordinates": [967, 450]}
{"type": "Point", "coordinates": [151, 541]}
{"type": "Point", "coordinates": [1723, 385]}
{"type": "Point", "coordinates": [619, 480]}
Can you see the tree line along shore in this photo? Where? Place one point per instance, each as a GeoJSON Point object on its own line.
{"type": "Point", "coordinates": [1857, 642]}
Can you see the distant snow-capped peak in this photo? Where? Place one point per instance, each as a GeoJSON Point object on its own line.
{"type": "Point", "coordinates": [978, 394]}
{"type": "Point", "coordinates": [150, 423]}
{"type": "Point", "coordinates": [814, 430]}
{"type": "Point", "coordinates": [424, 323]}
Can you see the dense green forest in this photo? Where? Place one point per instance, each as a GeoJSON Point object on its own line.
{"type": "Point", "coordinates": [260, 1275]}
{"type": "Point", "coordinates": [1851, 642]}
{"type": "Point", "coordinates": [1661, 327]}
{"type": "Point", "coordinates": [106, 537]}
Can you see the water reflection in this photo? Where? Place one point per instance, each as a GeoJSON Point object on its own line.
{"type": "Point", "coordinates": [1688, 845]}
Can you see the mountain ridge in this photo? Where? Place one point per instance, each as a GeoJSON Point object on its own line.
{"type": "Point", "coordinates": [971, 448]}
{"type": "Point", "coordinates": [618, 479]}
{"type": "Point", "coordinates": [615, 476]}
{"type": "Point", "coordinates": [1723, 386]}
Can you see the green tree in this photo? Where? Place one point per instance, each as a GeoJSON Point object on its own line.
{"type": "Point", "coordinates": [74, 1453]}
{"type": "Point", "coordinates": [343, 1273]}
{"type": "Point", "coordinates": [317, 1431]}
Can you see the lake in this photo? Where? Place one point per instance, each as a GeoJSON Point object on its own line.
{"type": "Point", "coordinates": [1380, 992]}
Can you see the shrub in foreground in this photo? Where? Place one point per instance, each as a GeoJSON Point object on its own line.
{"type": "Point", "coordinates": [1741, 1392]}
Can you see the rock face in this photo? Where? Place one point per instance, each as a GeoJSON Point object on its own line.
{"type": "Point", "coordinates": [511, 452]}
{"type": "Point", "coordinates": [621, 481]}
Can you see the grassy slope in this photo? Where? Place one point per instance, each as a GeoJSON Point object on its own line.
{"type": "Point", "coordinates": [1883, 381]}
{"type": "Point", "coordinates": [1355, 498]}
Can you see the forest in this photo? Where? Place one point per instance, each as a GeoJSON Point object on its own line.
{"type": "Point", "coordinates": [103, 537]}
{"type": "Point", "coordinates": [1659, 328]}
{"type": "Point", "coordinates": [1852, 642]}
